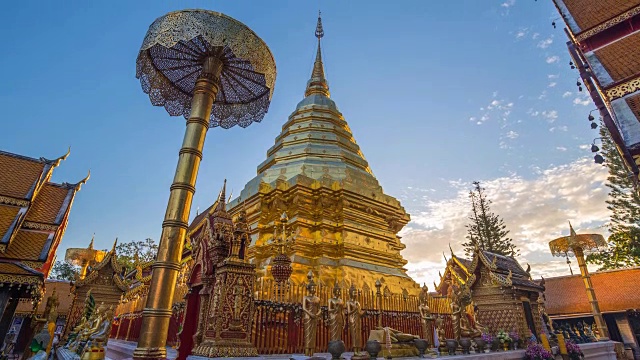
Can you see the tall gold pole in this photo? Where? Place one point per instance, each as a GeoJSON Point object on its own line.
{"type": "Point", "coordinates": [157, 313]}
{"type": "Point", "coordinates": [591, 294]}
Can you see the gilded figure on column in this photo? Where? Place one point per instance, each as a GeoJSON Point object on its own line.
{"type": "Point", "coordinates": [354, 312]}
{"type": "Point", "coordinates": [336, 313]}
{"type": "Point", "coordinates": [311, 308]}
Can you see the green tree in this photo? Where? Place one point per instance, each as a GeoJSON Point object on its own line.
{"type": "Point", "coordinates": [63, 270]}
{"type": "Point", "coordinates": [146, 250]}
{"type": "Point", "coordinates": [623, 245]}
{"type": "Point", "coordinates": [487, 230]}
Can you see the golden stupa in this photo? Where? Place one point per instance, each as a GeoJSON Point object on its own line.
{"type": "Point", "coordinates": [345, 226]}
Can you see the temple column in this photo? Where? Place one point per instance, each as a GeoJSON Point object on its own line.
{"type": "Point", "coordinates": [7, 316]}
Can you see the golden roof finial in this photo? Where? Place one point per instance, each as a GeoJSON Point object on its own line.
{"type": "Point", "coordinates": [221, 202]}
{"type": "Point", "coordinates": [318, 84]}
{"type": "Point", "coordinates": [91, 243]}
{"type": "Point", "coordinates": [115, 243]}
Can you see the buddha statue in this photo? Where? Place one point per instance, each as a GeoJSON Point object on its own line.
{"type": "Point", "coordinates": [100, 336]}
{"type": "Point", "coordinates": [336, 314]}
{"type": "Point", "coordinates": [354, 314]}
{"type": "Point", "coordinates": [90, 326]}
{"type": "Point", "coordinates": [441, 335]}
{"type": "Point", "coordinates": [426, 318]}
{"type": "Point", "coordinates": [312, 310]}
{"type": "Point", "coordinates": [466, 330]}
{"type": "Point", "coordinates": [398, 336]}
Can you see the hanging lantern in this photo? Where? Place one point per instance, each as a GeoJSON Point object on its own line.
{"type": "Point", "coordinates": [281, 269]}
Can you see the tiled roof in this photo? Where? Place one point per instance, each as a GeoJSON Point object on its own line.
{"type": "Point", "coordinates": [621, 58]}
{"type": "Point", "coordinates": [47, 205]}
{"type": "Point", "coordinates": [506, 263]}
{"type": "Point", "coordinates": [7, 215]}
{"type": "Point", "coordinates": [27, 245]}
{"type": "Point", "coordinates": [16, 269]}
{"type": "Point", "coordinates": [589, 13]}
{"type": "Point", "coordinates": [63, 291]}
{"type": "Point", "coordinates": [616, 290]}
{"type": "Point", "coordinates": [18, 174]}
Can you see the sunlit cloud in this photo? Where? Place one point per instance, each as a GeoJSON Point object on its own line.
{"type": "Point", "coordinates": [535, 210]}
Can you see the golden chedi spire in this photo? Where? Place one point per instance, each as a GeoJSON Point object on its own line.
{"type": "Point", "coordinates": [318, 84]}
{"type": "Point", "coordinates": [345, 225]}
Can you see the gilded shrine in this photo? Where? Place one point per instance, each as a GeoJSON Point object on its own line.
{"type": "Point", "coordinates": [496, 294]}
{"type": "Point", "coordinates": [345, 226]}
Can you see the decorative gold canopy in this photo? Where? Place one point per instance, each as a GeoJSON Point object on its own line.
{"type": "Point", "coordinates": [567, 245]}
{"type": "Point", "coordinates": [172, 57]}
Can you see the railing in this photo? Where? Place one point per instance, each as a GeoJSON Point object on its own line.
{"type": "Point", "coordinates": [278, 319]}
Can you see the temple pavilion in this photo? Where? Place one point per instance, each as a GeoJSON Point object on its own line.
{"type": "Point", "coordinates": [33, 217]}
{"type": "Point", "coordinates": [345, 226]}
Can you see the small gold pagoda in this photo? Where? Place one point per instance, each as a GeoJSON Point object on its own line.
{"type": "Point", "coordinates": [344, 226]}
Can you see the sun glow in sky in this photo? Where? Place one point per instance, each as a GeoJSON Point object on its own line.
{"type": "Point", "coordinates": [437, 93]}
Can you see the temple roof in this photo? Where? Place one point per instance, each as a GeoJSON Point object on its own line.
{"type": "Point", "coordinates": [504, 269]}
{"type": "Point", "coordinates": [616, 291]}
{"type": "Point", "coordinates": [590, 13]}
{"type": "Point", "coordinates": [32, 209]}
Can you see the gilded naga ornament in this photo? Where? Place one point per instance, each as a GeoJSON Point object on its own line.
{"type": "Point", "coordinates": [311, 308]}
{"type": "Point", "coordinates": [354, 313]}
{"type": "Point", "coordinates": [336, 314]}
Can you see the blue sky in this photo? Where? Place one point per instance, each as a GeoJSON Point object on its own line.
{"type": "Point", "coordinates": [437, 94]}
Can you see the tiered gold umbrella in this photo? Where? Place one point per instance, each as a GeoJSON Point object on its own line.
{"type": "Point", "coordinates": [214, 71]}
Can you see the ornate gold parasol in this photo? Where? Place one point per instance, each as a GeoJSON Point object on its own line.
{"type": "Point", "coordinates": [578, 245]}
{"type": "Point", "coordinates": [84, 258]}
{"type": "Point", "coordinates": [214, 71]}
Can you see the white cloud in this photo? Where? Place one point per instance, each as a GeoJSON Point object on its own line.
{"type": "Point", "coordinates": [553, 84]}
{"type": "Point", "coordinates": [561, 148]}
{"type": "Point", "coordinates": [584, 147]}
{"type": "Point", "coordinates": [550, 115]}
{"type": "Point", "coordinates": [582, 99]}
{"type": "Point", "coordinates": [543, 44]}
{"type": "Point", "coordinates": [535, 210]}
{"type": "Point", "coordinates": [512, 135]}
{"type": "Point", "coordinates": [559, 128]}
{"type": "Point", "coordinates": [535, 36]}
{"type": "Point", "coordinates": [543, 95]}
{"type": "Point", "coordinates": [508, 3]}
{"type": "Point", "coordinates": [521, 33]}
{"type": "Point", "coordinates": [553, 76]}
{"type": "Point", "coordinates": [498, 107]}
{"type": "Point", "coordinates": [533, 112]}
{"type": "Point", "coordinates": [552, 59]}
{"type": "Point", "coordinates": [567, 94]}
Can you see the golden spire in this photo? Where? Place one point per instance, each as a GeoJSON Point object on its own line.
{"type": "Point", "coordinates": [318, 84]}
{"type": "Point", "coordinates": [222, 205]}
{"type": "Point", "coordinates": [91, 243]}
